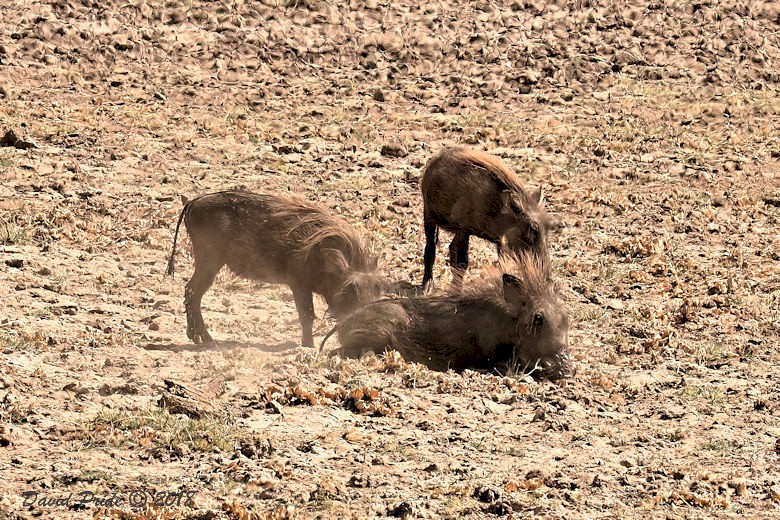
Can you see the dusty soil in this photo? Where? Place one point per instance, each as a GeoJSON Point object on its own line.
{"type": "Point", "coordinates": [653, 127]}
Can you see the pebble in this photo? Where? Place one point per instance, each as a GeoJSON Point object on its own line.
{"type": "Point", "coordinates": [394, 149]}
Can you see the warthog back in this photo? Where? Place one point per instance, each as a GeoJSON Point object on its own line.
{"type": "Point", "coordinates": [278, 239]}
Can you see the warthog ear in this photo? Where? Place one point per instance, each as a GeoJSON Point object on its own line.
{"type": "Point", "coordinates": [533, 232]}
{"type": "Point", "coordinates": [513, 290]}
{"type": "Point", "coordinates": [552, 223]}
{"type": "Point", "coordinates": [537, 196]}
{"type": "Point", "coordinates": [366, 285]}
{"type": "Point", "coordinates": [334, 261]}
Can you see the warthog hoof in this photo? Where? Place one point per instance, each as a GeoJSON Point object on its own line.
{"type": "Point", "coordinates": [202, 338]}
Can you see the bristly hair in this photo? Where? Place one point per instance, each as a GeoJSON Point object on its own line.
{"type": "Point", "coordinates": [367, 285]}
{"type": "Point", "coordinates": [313, 228]}
{"type": "Point", "coordinates": [533, 274]}
{"type": "Point", "coordinates": [493, 165]}
{"type": "Point", "coordinates": [533, 271]}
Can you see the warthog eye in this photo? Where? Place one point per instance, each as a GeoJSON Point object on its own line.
{"type": "Point", "coordinates": [538, 320]}
{"type": "Point", "coordinates": [533, 233]}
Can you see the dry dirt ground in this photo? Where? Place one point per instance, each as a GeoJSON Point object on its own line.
{"type": "Point", "coordinates": [653, 127]}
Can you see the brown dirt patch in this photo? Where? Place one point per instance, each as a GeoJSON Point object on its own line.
{"type": "Point", "coordinates": [652, 125]}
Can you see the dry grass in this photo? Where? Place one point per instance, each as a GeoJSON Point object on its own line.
{"type": "Point", "coordinates": [159, 431]}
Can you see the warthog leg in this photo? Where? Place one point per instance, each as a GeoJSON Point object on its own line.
{"type": "Point", "coordinates": [431, 240]}
{"type": "Point", "coordinates": [305, 305]}
{"type": "Point", "coordinates": [459, 257]}
{"type": "Point", "coordinates": [201, 280]}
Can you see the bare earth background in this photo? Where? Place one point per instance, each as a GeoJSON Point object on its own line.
{"type": "Point", "coordinates": [653, 127]}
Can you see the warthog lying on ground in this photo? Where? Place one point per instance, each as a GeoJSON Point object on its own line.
{"type": "Point", "coordinates": [470, 192]}
{"type": "Point", "coordinates": [276, 239]}
{"type": "Point", "coordinates": [509, 322]}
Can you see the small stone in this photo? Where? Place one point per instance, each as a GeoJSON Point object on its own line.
{"type": "Point", "coordinates": [499, 508]}
{"type": "Point", "coordinates": [9, 139]}
{"type": "Point", "coordinates": [181, 450]}
{"type": "Point", "coordinates": [529, 78]}
{"type": "Point", "coordinates": [379, 96]}
{"type": "Point", "coordinates": [403, 510]}
{"type": "Point", "coordinates": [176, 17]}
{"type": "Point", "coordinates": [16, 263]}
{"type": "Point", "coordinates": [772, 200]}
{"type": "Point", "coordinates": [394, 149]}
{"type": "Point", "coordinates": [284, 148]}
{"type": "Point", "coordinates": [307, 144]}
{"type": "Point", "coordinates": [123, 44]}
{"type": "Point", "coordinates": [491, 406]}
{"type": "Point", "coordinates": [384, 460]}
{"type": "Point", "coordinates": [534, 473]}
{"type": "Point", "coordinates": [740, 486]}
{"type": "Point", "coordinates": [487, 494]}
{"type": "Point", "coordinates": [360, 480]}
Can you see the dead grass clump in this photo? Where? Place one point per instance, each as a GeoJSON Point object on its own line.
{"type": "Point", "coordinates": [632, 247]}
{"type": "Point", "coordinates": [10, 342]}
{"type": "Point", "coordinates": [159, 431]}
{"type": "Point", "coordinates": [362, 399]}
{"type": "Point", "coordinates": [708, 393]}
{"type": "Point", "coordinates": [13, 234]}
{"type": "Point", "coordinates": [689, 498]}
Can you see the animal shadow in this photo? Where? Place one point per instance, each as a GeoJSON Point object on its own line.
{"type": "Point", "coordinates": [220, 345]}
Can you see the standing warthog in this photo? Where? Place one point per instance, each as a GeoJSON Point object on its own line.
{"type": "Point", "coordinates": [470, 192]}
{"type": "Point", "coordinates": [514, 321]}
{"type": "Point", "coordinates": [276, 239]}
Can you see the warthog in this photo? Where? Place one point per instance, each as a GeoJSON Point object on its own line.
{"type": "Point", "coordinates": [509, 322]}
{"type": "Point", "coordinates": [276, 239]}
{"type": "Point", "coordinates": [470, 192]}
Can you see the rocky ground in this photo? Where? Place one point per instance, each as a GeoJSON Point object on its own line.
{"type": "Point", "coordinates": [653, 127]}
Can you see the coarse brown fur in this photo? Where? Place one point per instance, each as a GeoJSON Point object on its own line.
{"type": "Point", "coordinates": [491, 164]}
{"type": "Point", "coordinates": [508, 322]}
{"type": "Point", "coordinates": [471, 192]}
{"type": "Point", "coordinates": [277, 239]}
